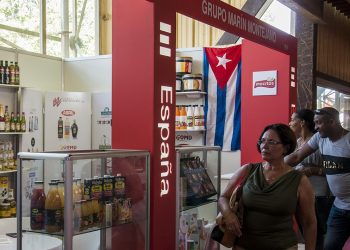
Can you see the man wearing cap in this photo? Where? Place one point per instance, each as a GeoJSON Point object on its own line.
{"type": "Point", "coordinates": [333, 142]}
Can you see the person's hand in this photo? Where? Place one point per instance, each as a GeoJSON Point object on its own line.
{"type": "Point", "coordinates": [232, 223]}
{"type": "Point", "coordinates": [306, 170]}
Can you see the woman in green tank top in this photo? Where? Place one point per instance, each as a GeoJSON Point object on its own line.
{"type": "Point", "coordinates": [272, 194]}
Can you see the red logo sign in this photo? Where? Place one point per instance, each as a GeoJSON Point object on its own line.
{"type": "Point", "coordinates": [271, 83]}
{"type": "Point", "coordinates": [68, 112]}
{"type": "Point", "coordinates": [56, 101]}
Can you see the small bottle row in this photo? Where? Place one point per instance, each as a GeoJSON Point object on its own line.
{"type": "Point", "coordinates": [100, 202]}
{"type": "Point", "coordinates": [11, 123]}
{"type": "Point", "coordinates": [9, 73]}
{"type": "Point", "coordinates": [7, 156]}
{"type": "Point", "coordinates": [189, 117]}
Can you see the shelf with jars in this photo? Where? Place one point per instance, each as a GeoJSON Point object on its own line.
{"type": "Point", "coordinates": [109, 190]}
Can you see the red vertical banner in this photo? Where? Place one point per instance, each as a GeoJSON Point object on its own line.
{"type": "Point", "coordinates": [163, 213]}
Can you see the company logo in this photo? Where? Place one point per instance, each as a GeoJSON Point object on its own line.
{"type": "Point", "coordinates": [68, 112]}
{"type": "Point", "coordinates": [183, 137]}
{"type": "Point", "coordinates": [68, 147]}
{"type": "Point", "coordinates": [56, 101]}
{"type": "Point", "coordinates": [268, 83]}
{"type": "Point", "coordinates": [106, 111]}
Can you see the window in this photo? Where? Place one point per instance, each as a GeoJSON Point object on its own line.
{"type": "Point", "coordinates": [331, 98]}
{"type": "Point", "coordinates": [20, 23]}
{"type": "Point", "coordinates": [279, 16]}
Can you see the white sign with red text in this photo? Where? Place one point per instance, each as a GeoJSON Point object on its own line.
{"type": "Point", "coordinates": [265, 83]}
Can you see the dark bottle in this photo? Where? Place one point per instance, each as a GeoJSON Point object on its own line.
{"type": "Point", "coordinates": [37, 206]}
{"type": "Point", "coordinates": [18, 122]}
{"type": "Point", "coordinates": [60, 127]}
{"type": "Point", "coordinates": [13, 123]}
{"type": "Point", "coordinates": [6, 73]}
{"type": "Point", "coordinates": [2, 119]}
{"type": "Point", "coordinates": [17, 73]}
{"type": "Point", "coordinates": [74, 129]}
{"type": "Point", "coordinates": [12, 76]}
{"type": "Point", "coordinates": [2, 72]}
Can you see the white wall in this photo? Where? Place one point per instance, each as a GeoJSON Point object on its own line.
{"type": "Point", "coordinates": [91, 74]}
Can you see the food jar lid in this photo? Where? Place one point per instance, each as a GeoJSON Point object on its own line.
{"type": "Point", "coordinates": [192, 76]}
{"type": "Point", "coordinates": [184, 59]}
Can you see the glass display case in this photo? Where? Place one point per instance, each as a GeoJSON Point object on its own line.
{"type": "Point", "coordinates": [198, 189]}
{"type": "Point", "coordinates": [86, 199]}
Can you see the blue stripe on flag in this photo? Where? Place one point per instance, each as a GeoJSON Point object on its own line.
{"type": "Point", "coordinates": [205, 82]}
{"type": "Point", "coordinates": [236, 137]}
{"type": "Point", "coordinates": [220, 116]}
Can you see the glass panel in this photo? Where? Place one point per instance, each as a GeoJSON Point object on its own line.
{"type": "Point", "coordinates": [278, 16]}
{"type": "Point", "coordinates": [332, 98]}
{"type": "Point", "coordinates": [20, 25]}
{"type": "Point", "coordinates": [53, 28]}
{"type": "Point", "coordinates": [82, 39]}
{"type": "Point", "coordinates": [108, 207]}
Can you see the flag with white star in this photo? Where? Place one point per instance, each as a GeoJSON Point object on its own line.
{"type": "Point", "coordinates": [222, 82]}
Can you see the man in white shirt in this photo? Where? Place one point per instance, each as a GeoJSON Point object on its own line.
{"type": "Point", "coordinates": [333, 142]}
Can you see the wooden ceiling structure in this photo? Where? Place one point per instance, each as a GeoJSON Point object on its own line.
{"type": "Point", "coordinates": [343, 6]}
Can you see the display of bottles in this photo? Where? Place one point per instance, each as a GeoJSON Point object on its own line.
{"type": "Point", "coordinates": [60, 127]}
{"type": "Point", "coordinates": [17, 75]}
{"type": "Point", "coordinates": [66, 128]}
{"type": "Point", "coordinates": [13, 123]}
{"type": "Point", "coordinates": [53, 209]}
{"type": "Point", "coordinates": [74, 129]}
{"type": "Point", "coordinates": [2, 118]}
{"type": "Point", "coordinates": [23, 123]}
{"type": "Point", "coordinates": [37, 206]}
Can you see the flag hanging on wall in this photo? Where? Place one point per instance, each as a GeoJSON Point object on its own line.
{"type": "Point", "coordinates": [222, 81]}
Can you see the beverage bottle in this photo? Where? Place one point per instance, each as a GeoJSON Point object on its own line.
{"type": "Point", "coordinates": [74, 129]}
{"type": "Point", "coordinates": [197, 121]}
{"type": "Point", "coordinates": [18, 123]}
{"type": "Point", "coordinates": [23, 123]}
{"type": "Point", "coordinates": [177, 118]}
{"type": "Point", "coordinates": [60, 127]}
{"type": "Point", "coordinates": [53, 209]}
{"type": "Point", "coordinates": [37, 206]}
{"type": "Point", "coordinates": [11, 199]}
{"type": "Point", "coordinates": [12, 78]}
{"type": "Point", "coordinates": [2, 119]}
{"type": "Point", "coordinates": [6, 74]}
{"type": "Point", "coordinates": [2, 72]}
{"type": "Point", "coordinates": [189, 117]}
{"type": "Point", "coordinates": [201, 115]}
{"type": "Point", "coordinates": [17, 76]}
{"type": "Point", "coordinates": [7, 119]}
{"type": "Point", "coordinates": [183, 118]}
{"type": "Point", "coordinates": [66, 128]}
{"type": "Point", "coordinates": [13, 123]}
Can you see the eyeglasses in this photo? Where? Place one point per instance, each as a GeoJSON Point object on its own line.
{"type": "Point", "coordinates": [268, 142]}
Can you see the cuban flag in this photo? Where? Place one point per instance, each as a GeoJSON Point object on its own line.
{"type": "Point", "coordinates": [222, 110]}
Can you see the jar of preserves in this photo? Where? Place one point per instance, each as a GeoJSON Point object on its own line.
{"type": "Point", "coordinates": [5, 210]}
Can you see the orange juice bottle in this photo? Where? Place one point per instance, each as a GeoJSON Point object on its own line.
{"type": "Point", "coordinates": [183, 118]}
{"type": "Point", "coordinates": [177, 118]}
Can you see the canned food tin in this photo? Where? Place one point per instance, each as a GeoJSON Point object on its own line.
{"type": "Point", "coordinates": [183, 65]}
{"type": "Point", "coordinates": [192, 82]}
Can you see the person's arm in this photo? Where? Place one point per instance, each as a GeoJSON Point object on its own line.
{"type": "Point", "coordinates": [231, 220]}
{"type": "Point", "coordinates": [312, 170]}
{"type": "Point", "coordinates": [306, 213]}
{"type": "Point", "coordinates": [297, 156]}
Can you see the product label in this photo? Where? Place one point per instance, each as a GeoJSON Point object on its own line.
{"type": "Point", "coordinates": [53, 218]}
{"type": "Point", "coordinates": [37, 218]}
{"type": "Point", "coordinates": [119, 188]}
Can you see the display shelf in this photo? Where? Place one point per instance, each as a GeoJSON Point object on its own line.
{"type": "Point", "coordinates": [13, 133]}
{"type": "Point", "coordinates": [8, 172]}
{"type": "Point", "coordinates": [190, 130]}
{"type": "Point", "coordinates": [89, 230]}
{"type": "Point", "coordinates": [10, 86]}
{"type": "Point", "coordinates": [119, 198]}
{"type": "Point", "coordinates": [203, 203]}
{"type": "Point", "coordinates": [191, 94]}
